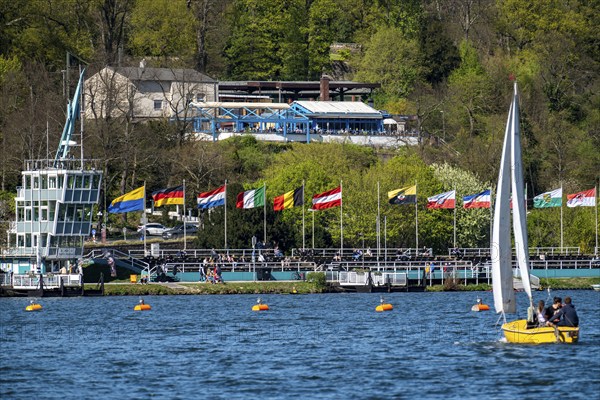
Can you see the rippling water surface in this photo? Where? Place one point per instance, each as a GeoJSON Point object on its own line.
{"type": "Point", "coordinates": [314, 346]}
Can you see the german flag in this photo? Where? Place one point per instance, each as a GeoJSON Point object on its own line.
{"type": "Point", "coordinates": [406, 195]}
{"type": "Point", "coordinates": [168, 196]}
{"type": "Point", "coordinates": [288, 200]}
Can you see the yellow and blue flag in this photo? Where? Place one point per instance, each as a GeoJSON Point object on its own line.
{"type": "Point", "coordinates": [132, 201]}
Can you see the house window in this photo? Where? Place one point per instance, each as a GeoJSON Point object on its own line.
{"type": "Point", "coordinates": [200, 97]}
{"type": "Point", "coordinates": [158, 104]}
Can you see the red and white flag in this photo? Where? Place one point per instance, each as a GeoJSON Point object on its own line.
{"type": "Point", "coordinates": [442, 200]}
{"type": "Point", "coordinates": [586, 198]}
{"type": "Point", "coordinates": [331, 198]}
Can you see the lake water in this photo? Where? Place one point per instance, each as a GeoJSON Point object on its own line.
{"type": "Point", "coordinates": [330, 346]}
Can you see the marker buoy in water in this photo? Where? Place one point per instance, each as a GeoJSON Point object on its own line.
{"type": "Point", "coordinates": [383, 306]}
{"type": "Point", "coordinates": [480, 306]}
{"type": "Point", "coordinates": [259, 306]}
{"type": "Point", "coordinates": [142, 306]}
{"type": "Point", "coordinates": [33, 307]}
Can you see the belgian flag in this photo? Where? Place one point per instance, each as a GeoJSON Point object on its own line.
{"type": "Point", "coordinates": [406, 195]}
{"type": "Point", "coordinates": [290, 199]}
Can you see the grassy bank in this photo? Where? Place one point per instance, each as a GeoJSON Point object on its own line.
{"type": "Point", "coordinates": [207, 288]}
{"type": "Point", "coordinates": [555, 284]}
{"type": "Point", "coordinates": [569, 283]}
{"type": "Point", "coordinates": [311, 286]}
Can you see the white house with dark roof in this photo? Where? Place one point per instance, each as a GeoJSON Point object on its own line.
{"type": "Point", "coordinates": [146, 93]}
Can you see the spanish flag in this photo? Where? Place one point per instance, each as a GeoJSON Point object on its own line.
{"type": "Point", "coordinates": [168, 196]}
{"type": "Point", "coordinates": [290, 199]}
{"type": "Point", "coordinates": [132, 201]}
{"type": "Point", "coordinates": [406, 195]}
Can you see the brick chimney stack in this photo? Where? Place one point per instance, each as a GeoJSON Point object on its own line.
{"type": "Point", "coordinates": [324, 88]}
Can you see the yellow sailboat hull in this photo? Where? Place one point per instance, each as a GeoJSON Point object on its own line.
{"type": "Point", "coordinates": [517, 332]}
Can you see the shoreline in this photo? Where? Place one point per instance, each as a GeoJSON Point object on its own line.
{"type": "Point", "coordinates": [125, 288]}
{"type": "Point", "coordinates": [287, 287]}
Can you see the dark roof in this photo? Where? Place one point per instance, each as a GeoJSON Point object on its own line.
{"type": "Point", "coordinates": [251, 86]}
{"type": "Point", "coordinates": [163, 74]}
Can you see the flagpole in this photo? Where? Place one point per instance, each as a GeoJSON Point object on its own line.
{"type": "Point", "coordinates": [378, 223]}
{"type": "Point", "coordinates": [225, 221]}
{"type": "Point", "coordinates": [184, 225]}
{"type": "Point", "coordinates": [416, 220]}
{"type": "Point", "coordinates": [313, 229]}
{"type": "Point", "coordinates": [385, 237]}
{"type": "Point", "coordinates": [561, 219]}
{"type": "Point", "coordinates": [596, 202]}
{"type": "Point", "coordinates": [265, 212]}
{"type": "Point", "coordinates": [454, 217]}
{"type": "Point", "coordinates": [303, 221]}
{"type": "Point", "coordinates": [145, 220]}
{"type": "Point", "coordinates": [341, 220]}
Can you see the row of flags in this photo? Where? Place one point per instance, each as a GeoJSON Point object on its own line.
{"type": "Point", "coordinates": [408, 195]}
{"type": "Point", "coordinates": [135, 200]}
{"type": "Point", "coordinates": [256, 198]}
{"type": "Point", "coordinates": [554, 198]}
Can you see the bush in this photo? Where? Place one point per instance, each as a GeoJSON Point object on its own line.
{"type": "Point", "coordinates": [318, 279]}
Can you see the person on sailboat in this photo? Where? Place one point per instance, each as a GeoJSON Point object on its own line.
{"type": "Point", "coordinates": [567, 316]}
{"type": "Point", "coordinates": [541, 318]}
{"type": "Point", "coordinates": [553, 308]}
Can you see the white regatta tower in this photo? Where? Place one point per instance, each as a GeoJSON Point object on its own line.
{"type": "Point", "coordinates": [54, 206]}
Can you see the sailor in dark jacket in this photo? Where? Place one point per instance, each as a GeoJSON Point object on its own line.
{"type": "Point", "coordinates": [567, 316]}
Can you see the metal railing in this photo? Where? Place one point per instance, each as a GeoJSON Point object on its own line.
{"type": "Point", "coordinates": [349, 252]}
{"type": "Point", "coordinates": [362, 278]}
{"type": "Point", "coordinates": [533, 251]}
{"type": "Point", "coordinates": [298, 266]}
{"type": "Point", "coordinates": [245, 254]}
{"type": "Point", "coordinates": [123, 257]}
{"type": "Point", "coordinates": [50, 281]}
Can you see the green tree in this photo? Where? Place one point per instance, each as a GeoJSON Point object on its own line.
{"type": "Point", "coordinates": [470, 89]}
{"type": "Point", "coordinates": [391, 59]}
{"type": "Point", "coordinates": [254, 47]}
{"type": "Point", "coordinates": [473, 225]}
{"type": "Point", "coordinates": [162, 28]}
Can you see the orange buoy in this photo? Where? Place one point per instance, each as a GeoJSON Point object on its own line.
{"type": "Point", "coordinates": [480, 307]}
{"type": "Point", "coordinates": [384, 307]}
{"type": "Point", "coordinates": [142, 306]}
{"type": "Point", "coordinates": [259, 306]}
{"type": "Point", "coordinates": [33, 307]}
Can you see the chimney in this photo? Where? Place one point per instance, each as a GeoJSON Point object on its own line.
{"type": "Point", "coordinates": [324, 88]}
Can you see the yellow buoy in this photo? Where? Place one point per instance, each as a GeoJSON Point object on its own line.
{"type": "Point", "coordinates": [259, 306]}
{"type": "Point", "coordinates": [383, 306]}
{"type": "Point", "coordinates": [33, 307]}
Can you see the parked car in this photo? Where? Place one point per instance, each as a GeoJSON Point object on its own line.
{"type": "Point", "coordinates": [190, 229]}
{"type": "Point", "coordinates": [152, 229]}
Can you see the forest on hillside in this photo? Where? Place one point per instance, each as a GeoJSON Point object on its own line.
{"type": "Point", "coordinates": [450, 62]}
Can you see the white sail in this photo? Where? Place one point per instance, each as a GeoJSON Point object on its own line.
{"type": "Point", "coordinates": [501, 249]}
{"type": "Point", "coordinates": [519, 213]}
